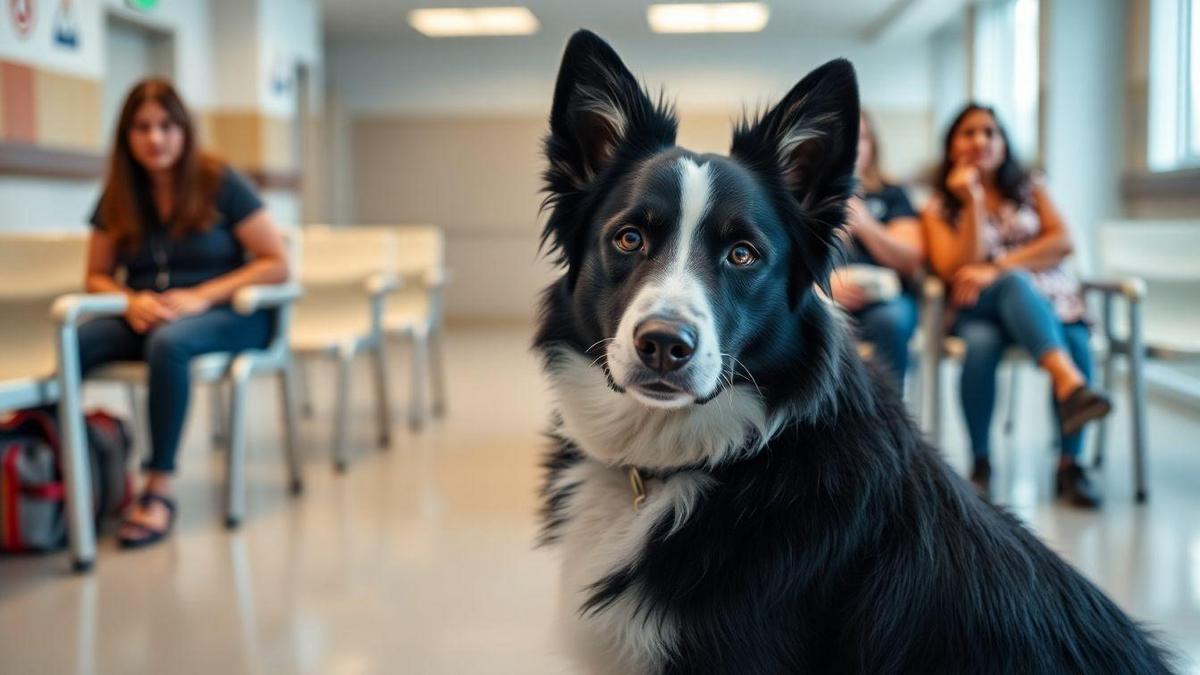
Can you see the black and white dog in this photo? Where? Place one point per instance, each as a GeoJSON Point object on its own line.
{"type": "Point", "coordinates": [731, 490]}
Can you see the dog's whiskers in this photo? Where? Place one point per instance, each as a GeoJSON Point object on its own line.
{"type": "Point", "coordinates": [599, 342]}
{"type": "Point", "coordinates": [749, 375]}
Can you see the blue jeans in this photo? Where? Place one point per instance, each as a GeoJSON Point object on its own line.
{"type": "Point", "coordinates": [889, 326]}
{"type": "Point", "coordinates": [168, 351]}
{"type": "Point", "coordinates": [1011, 311]}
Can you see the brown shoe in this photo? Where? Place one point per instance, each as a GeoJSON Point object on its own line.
{"type": "Point", "coordinates": [1080, 407]}
{"type": "Point", "coordinates": [1072, 484]}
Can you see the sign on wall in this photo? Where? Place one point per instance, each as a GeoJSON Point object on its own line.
{"type": "Point", "coordinates": [66, 26]}
{"type": "Point", "coordinates": [23, 14]}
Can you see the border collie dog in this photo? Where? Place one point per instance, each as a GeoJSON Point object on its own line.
{"type": "Point", "coordinates": [731, 490]}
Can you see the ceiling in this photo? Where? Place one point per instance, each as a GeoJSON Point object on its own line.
{"type": "Point", "coordinates": [359, 20]}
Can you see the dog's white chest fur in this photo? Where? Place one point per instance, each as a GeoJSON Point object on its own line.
{"type": "Point", "coordinates": [603, 534]}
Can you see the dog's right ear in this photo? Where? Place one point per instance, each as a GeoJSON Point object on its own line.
{"type": "Point", "coordinates": [601, 116]}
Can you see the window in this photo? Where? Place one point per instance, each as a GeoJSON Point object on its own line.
{"type": "Point", "coordinates": [1005, 73]}
{"type": "Point", "coordinates": [1174, 105]}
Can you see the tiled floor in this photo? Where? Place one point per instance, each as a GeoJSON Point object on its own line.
{"type": "Point", "coordinates": [420, 559]}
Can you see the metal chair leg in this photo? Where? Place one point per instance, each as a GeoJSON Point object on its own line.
{"type": "Point", "coordinates": [341, 407]}
{"type": "Point", "coordinates": [1137, 398]}
{"type": "Point", "coordinates": [1014, 390]}
{"type": "Point", "coordinates": [420, 357]}
{"type": "Point", "coordinates": [239, 375]}
{"type": "Point", "coordinates": [303, 394]}
{"type": "Point", "coordinates": [437, 373]}
{"type": "Point", "coordinates": [75, 465]}
{"type": "Point", "coordinates": [137, 396]}
{"type": "Point", "coordinates": [1106, 384]}
{"type": "Point", "coordinates": [383, 398]}
{"type": "Point", "coordinates": [291, 435]}
{"type": "Point", "coordinates": [220, 432]}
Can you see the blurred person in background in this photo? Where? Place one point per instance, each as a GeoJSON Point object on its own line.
{"type": "Point", "coordinates": [998, 242]}
{"type": "Point", "coordinates": [187, 232]}
{"type": "Point", "coordinates": [883, 251]}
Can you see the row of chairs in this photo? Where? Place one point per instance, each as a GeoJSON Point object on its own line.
{"type": "Point", "coordinates": [352, 291]}
{"type": "Point", "coordinates": [1148, 281]}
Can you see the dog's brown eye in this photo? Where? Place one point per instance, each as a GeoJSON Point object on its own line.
{"type": "Point", "coordinates": [629, 240]}
{"type": "Point", "coordinates": [742, 255]}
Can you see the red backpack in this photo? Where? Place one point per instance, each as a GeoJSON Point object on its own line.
{"type": "Point", "coordinates": [32, 492]}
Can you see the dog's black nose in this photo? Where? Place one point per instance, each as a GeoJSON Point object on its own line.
{"type": "Point", "coordinates": [664, 344]}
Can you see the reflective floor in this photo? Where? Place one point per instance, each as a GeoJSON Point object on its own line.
{"type": "Point", "coordinates": [420, 559]}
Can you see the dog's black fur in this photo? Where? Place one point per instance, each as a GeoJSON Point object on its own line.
{"type": "Point", "coordinates": [845, 544]}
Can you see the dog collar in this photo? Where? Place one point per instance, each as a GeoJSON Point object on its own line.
{"type": "Point", "coordinates": [638, 477]}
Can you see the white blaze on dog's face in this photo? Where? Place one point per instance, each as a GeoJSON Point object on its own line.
{"type": "Point", "coordinates": [667, 351]}
{"type": "Point", "coordinates": [689, 275]}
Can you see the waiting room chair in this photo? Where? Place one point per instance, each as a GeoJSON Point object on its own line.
{"type": "Point", "coordinates": [1131, 346]}
{"type": "Point", "coordinates": [40, 307]}
{"type": "Point", "coordinates": [347, 275]}
{"type": "Point", "coordinates": [414, 315]}
{"type": "Point", "coordinates": [235, 372]}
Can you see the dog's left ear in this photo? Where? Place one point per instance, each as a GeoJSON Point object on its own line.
{"type": "Point", "coordinates": [805, 147]}
{"type": "Point", "coordinates": [810, 139]}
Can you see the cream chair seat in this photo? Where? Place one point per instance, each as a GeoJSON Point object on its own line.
{"type": "Point", "coordinates": [414, 315]}
{"type": "Point", "coordinates": [39, 310]}
{"type": "Point", "coordinates": [347, 273]}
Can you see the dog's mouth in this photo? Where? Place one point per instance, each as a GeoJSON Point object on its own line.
{"type": "Point", "coordinates": [661, 394]}
{"type": "Point", "coordinates": [660, 389]}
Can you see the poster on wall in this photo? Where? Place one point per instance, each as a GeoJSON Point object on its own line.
{"type": "Point", "coordinates": [66, 26]}
{"type": "Point", "coordinates": [23, 14]}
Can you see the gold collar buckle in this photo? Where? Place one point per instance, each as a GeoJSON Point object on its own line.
{"type": "Point", "coordinates": [639, 487]}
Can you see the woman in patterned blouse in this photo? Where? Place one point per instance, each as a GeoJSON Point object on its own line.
{"type": "Point", "coordinates": [999, 243]}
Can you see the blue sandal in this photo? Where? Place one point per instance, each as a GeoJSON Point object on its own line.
{"type": "Point", "coordinates": [147, 536]}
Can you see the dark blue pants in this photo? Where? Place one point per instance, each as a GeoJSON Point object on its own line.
{"type": "Point", "coordinates": [889, 326]}
{"type": "Point", "coordinates": [168, 351]}
{"type": "Point", "coordinates": [1011, 311]}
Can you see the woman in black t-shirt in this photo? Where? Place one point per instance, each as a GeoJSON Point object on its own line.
{"type": "Point", "coordinates": [188, 232]}
{"type": "Point", "coordinates": [884, 232]}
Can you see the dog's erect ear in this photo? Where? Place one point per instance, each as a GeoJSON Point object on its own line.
{"type": "Point", "coordinates": [806, 146]}
{"type": "Point", "coordinates": [599, 108]}
{"type": "Point", "coordinates": [601, 117]}
{"type": "Point", "coordinates": [810, 138]}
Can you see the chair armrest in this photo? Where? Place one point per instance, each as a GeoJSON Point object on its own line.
{"type": "Point", "coordinates": [932, 288]}
{"type": "Point", "coordinates": [74, 307]}
{"type": "Point", "coordinates": [1131, 288]}
{"type": "Point", "coordinates": [436, 279]}
{"type": "Point", "coordinates": [250, 299]}
{"type": "Point", "coordinates": [382, 283]}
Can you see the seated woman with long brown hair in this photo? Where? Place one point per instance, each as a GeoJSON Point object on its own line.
{"type": "Point", "coordinates": [188, 232]}
{"type": "Point", "coordinates": [999, 243]}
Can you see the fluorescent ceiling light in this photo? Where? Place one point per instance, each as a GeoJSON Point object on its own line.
{"type": "Point", "coordinates": [456, 22]}
{"type": "Point", "coordinates": [723, 17]}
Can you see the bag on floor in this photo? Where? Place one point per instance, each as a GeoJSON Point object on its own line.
{"type": "Point", "coordinates": [32, 492]}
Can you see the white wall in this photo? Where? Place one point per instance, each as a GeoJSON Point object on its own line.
{"type": "Point", "coordinates": [1084, 109]}
{"type": "Point", "coordinates": [289, 33]}
{"type": "Point", "coordinates": [38, 204]}
{"type": "Point", "coordinates": [717, 72]}
{"type": "Point", "coordinates": [949, 77]}
{"type": "Point", "coordinates": [217, 58]}
{"type": "Point", "coordinates": [41, 205]}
